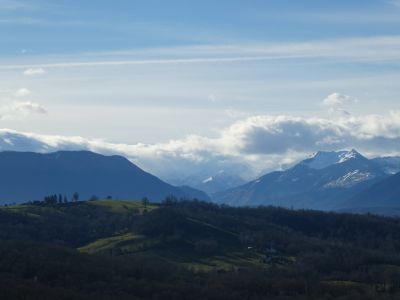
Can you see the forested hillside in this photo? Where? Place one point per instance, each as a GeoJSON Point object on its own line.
{"type": "Point", "coordinates": [194, 250]}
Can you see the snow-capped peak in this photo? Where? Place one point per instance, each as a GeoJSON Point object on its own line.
{"type": "Point", "coordinates": [348, 155]}
{"type": "Point", "coordinates": [323, 159]}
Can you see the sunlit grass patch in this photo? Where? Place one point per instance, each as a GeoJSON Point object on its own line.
{"type": "Point", "coordinates": [124, 206]}
{"type": "Point", "coordinates": [108, 243]}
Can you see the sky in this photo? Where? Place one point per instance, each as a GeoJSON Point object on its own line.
{"type": "Point", "coordinates": [186, 86]}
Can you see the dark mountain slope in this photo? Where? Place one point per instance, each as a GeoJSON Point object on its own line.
{"type": "Point", "coordinates": [383, 197]}
{"type": "Point", "coordinates": [29, 176]}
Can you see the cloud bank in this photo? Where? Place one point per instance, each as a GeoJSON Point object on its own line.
{"type": "Point", "coordinates": [249, 147]}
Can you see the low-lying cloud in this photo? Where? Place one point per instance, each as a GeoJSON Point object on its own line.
{"type": "Point", "coordinates": [250, 146]}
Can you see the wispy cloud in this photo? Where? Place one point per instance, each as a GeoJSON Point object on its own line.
{"type": "Point", "coordinates": [145, 62]}
{"type": "Point", "coordinates": [343, 17]}
{"type": "Point", "coordinates": [13, 108]}
{"type": "Point", "coordinates": [19, 110]}
{"type": "Point", "coordinates": [23, 92]}
{"type": "Point", "coordinates": [338, 100]}
{"type": "Point", "coordinates": [394, 2]}
{"type": "Point", "coordinates": [34, 71]}
{"type": "Point", "coordinates": [15, 5]}
{"type": "Point", "coordinates": [374, 49]}
{"type": "Point", "coordinates": [20, 21]}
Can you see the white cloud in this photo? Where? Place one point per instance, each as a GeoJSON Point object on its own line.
{"type": "Point", "coordinates": [34, 71]}
{"type": "Point", "coordinates": [23, 92]}
{"type": "Point", "coordinates": [29, 106]}
{"type": "Point", "coordinates": [247, 147]}
{"type": "Point", "coordinates": [19, 110]}
{"type": "Point", "coordinates": [372, 49]}
{"type": "Point", "coordinates": [337, 100]}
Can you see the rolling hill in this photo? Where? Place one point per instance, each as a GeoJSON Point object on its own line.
{"type": "Point", "coordinates": [194, 250]}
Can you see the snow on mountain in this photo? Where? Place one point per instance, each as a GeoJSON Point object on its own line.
{"type": "Point", "coordinates": [209, 179]}
{"type": "Point", "coordinates": [323, 181]}
{"type": "Point", "coordinates": [211, 182]}
{"type": "Point", "coordinates": [323, 159]}
{"type": "Point", "coordinates": [348, 155]}
{"type": "Point", "coordinates": [350, 179]}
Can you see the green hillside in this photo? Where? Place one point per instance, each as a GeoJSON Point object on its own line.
{"type": "Point", "coordinates": [189, 250]}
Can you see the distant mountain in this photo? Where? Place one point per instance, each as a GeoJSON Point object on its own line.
{"type": "Point", "coordinates": [324, 182]}
{"type": "Point", "coordinates": [211, 182]}
{"type": "Point", "coordinates": [210, 177]}
{"type": "Point", "coordinates": [219, 181]}
{"type": "Point", "coordinates": [382, 197]}
{"type": "Point", "coordinates": [193, 193]}
{"type": "Point", "coordinates": [29, 176]}
{"type": "Point", "coordinates": [390, 165]}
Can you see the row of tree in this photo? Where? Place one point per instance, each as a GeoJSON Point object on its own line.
{"type": "Point", "coordinates": [59, 199]}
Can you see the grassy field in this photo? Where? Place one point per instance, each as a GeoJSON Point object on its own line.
{"type": "Point", "coordinates": [179, 248]}
{"type": "Point", "coordinates": [124, 206]}
{"type": "Point", "coordinates": [109, 243]}
{"type": "Point", "coordinates": [176, 249]}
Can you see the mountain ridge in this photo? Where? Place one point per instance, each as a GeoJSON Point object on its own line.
{"type": "Point", "coordinates": [385, 194]}
{"type": "Point", "coordinates": [319, 185]}
{"type": "Point", "coordinates": [85, 172]}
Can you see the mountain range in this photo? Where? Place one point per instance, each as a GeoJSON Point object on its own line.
{"type": "Point", "coordinates": [342, 181]}
{"type": "Point", "coordinates": [326, 181]}
{"type": "Point", "coordinates": [27, 176]}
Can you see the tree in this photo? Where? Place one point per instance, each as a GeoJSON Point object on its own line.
{"type": "Point", "coordinates": [170, 200]}
{"type": "Point", "coordinates": [51, 199]}
{"type": "Point", "coordinates": [75, 197]}
{"type": "Point", "coordinates": [94, 198]}
{"type": "Point", "coordinates": [145, 202]}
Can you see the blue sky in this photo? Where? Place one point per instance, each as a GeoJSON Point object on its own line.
{"type": "Point", "coordinates": [65, 27]}
{"type": "Point", "coordinates": [198, 79]}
